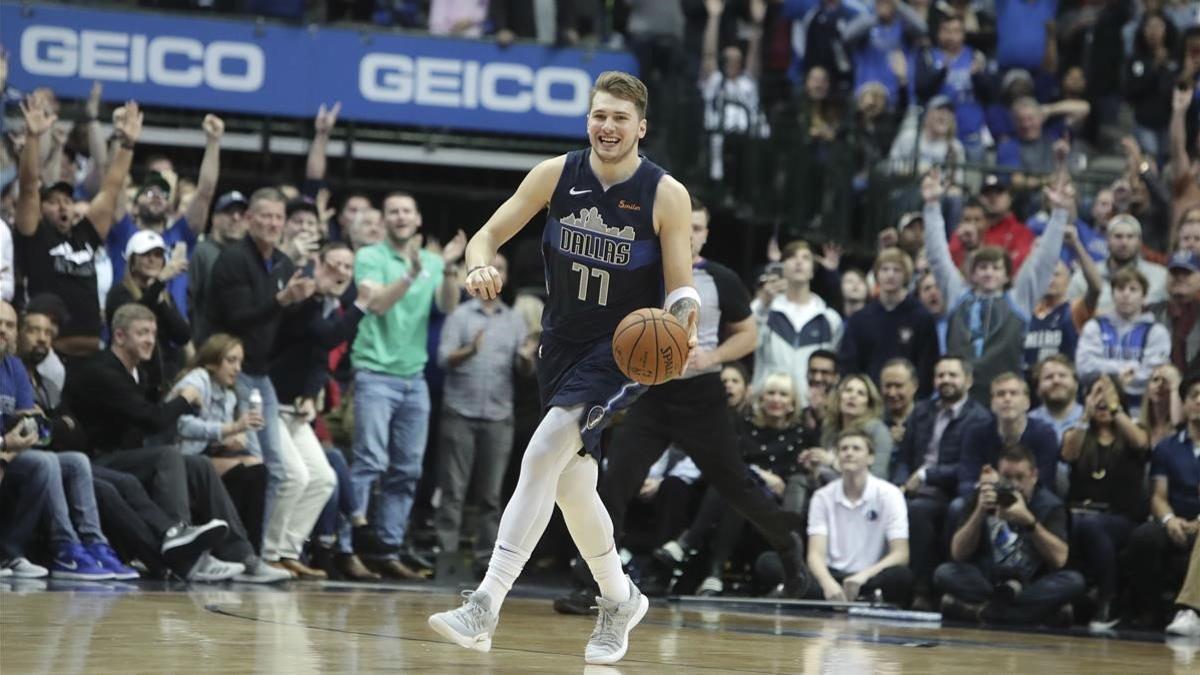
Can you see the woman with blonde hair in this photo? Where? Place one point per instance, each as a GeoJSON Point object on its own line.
{"type": "Point", "coordinates": [771, 441]}
{"type": "Point", "coordinates": [1162, 409]}
{"type": "Point", "coordinates": [147, 272]}
{"type": "Point", "coordinates": [856, 404]}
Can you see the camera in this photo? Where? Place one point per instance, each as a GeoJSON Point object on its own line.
{"type": "Point", "coordinates": [37, 424]}
{"type": "Point", "coordinates": [1006, 494]}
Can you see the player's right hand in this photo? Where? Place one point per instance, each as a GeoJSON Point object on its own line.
{"type": "Point", "coordinates": [484, 283]}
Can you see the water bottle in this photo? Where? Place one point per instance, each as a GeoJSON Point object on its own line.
{"type": "Point", "coordinates": [256, 401]}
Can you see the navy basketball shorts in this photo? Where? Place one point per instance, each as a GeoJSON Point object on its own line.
{"type": "Point", "coordinates": [571, 374]}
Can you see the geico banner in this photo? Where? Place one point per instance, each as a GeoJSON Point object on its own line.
{"type": "Point", "coordinates": [241, 66]}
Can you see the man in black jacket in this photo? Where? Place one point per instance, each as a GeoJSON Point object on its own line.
{"type": "Point", "coordinates": [108, 395]}
{"type": "Point", "coordinates": [926, 463]}
{"type": "Point", "coordinates": [894, 325]}
{"type": "Point", "coordinates": [254, 285]}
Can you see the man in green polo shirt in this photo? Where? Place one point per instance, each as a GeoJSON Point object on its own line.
{"type": "Point", "coordinates": [391, 399]}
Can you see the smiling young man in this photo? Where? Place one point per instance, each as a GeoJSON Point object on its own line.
{"type": "Point", "coordinates": [690, 414]}
{"type": "Point", "coordinates": [858, 531]}
{"type": "Point", "coordinates": [617, 237]}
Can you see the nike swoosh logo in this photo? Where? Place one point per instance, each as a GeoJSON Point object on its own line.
{"type": "Point", "coordinates": [578, 192]}
{"type": "Point", "coordinates": [71, 566]}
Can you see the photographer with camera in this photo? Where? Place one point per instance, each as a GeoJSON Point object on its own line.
{"type": "Point", "coordinates": [1008, 553]}
{"type": "Point", "coordinates": [1104, 451]}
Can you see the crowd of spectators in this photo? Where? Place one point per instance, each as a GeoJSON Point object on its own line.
{"type": "Point", "coordinates": [997, 419]}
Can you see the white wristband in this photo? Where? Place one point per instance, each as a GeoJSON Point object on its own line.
{"type": "Point", "coordinates": [681, 293]}
{"type": "Point", "coordinates": [1167, 518]}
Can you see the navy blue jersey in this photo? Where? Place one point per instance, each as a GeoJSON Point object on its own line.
{"type": "Point", "coordinates": [1054, 334]}
{"type": "Point", "coordinates": [602, 256]}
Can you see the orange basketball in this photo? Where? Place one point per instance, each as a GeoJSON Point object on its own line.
{"type": "Point", "coordinates": [650, 346]}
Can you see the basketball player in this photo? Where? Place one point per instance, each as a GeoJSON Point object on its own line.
{"type": "Point", "coordinates": [692, 413]}
{"type": "Point", "coordinates": [617, 235]}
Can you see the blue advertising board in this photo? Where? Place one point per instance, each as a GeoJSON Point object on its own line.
{"type": "Point", "coordinates": [240, 66]}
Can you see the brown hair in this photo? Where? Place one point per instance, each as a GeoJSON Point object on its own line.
{"type": "Point", "coordinates": [210, 354]}
{"type": "Point", "coordinates": [856, 433]}
{"type": "Point", "coordinates": [1061, 360]}
{"type": "Point", "coordinates": [1005, 377]}
{"type": "Point", "coordinates": [893, 254]}
{"type": "Point", "coordinates": [623, 86]}
{"type": "Point", "coordinates": [793, 246]}
{"type": "Point", "coordinates": [1130, 275]}
{"type": "Point", "coordinates": [989, 254]}
{"type": "Point", "coordinates": [834, 423]}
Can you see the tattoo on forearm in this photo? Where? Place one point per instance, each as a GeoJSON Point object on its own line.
{"type": "Point", "coordinates": [682, 307]}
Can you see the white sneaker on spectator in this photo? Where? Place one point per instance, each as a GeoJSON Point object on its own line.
{"type": "Point", "coordinates": [1186, 622]}
{"type": "Point", "coordinates": [262, 573]}
{"type": "Point", "coordinates": [21, 568]}
{"type": "Point", "coordinates": [211, 570]}
{"type": "Point", "coordinates": [710, 586]}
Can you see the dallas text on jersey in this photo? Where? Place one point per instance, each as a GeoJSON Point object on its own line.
{"type": "Point", "coordinates": [582, 237]}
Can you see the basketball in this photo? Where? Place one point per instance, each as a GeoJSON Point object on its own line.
{"type": "Point", "coordinates": [650, 346]}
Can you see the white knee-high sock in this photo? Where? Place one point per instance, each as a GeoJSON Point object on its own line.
{"type": "Point", "coordinates": [554, 443]}
{"type": "Point", "coordinates": [591, 527]}
{"type": "Point", "coordinates": [503, 569]}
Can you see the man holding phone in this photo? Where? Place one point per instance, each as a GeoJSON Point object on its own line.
{"type": "Point", "coordinates": [1007, 555]}
{"type": "Point", "coordinates": [63, 481]}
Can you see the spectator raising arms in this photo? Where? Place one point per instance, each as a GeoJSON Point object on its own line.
{"type": "Point", "coordinates": [986, 320]}
{"type": "Point", "coordinates": [57, 254]}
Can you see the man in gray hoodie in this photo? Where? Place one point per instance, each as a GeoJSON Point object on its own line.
{"type": "Point", "coordinates": [987, 319]}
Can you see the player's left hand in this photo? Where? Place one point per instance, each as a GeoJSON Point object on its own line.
{"type": "Point", "coordinates": [702, 358]}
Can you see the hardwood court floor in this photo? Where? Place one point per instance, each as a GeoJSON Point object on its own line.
{"type": "Point", "coordinates": [309, 628]}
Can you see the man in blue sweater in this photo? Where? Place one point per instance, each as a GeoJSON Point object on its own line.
{"type": "Point", "coordinates": [985, 443]}
{"type": "Point", "coordinates": [895, 325]}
